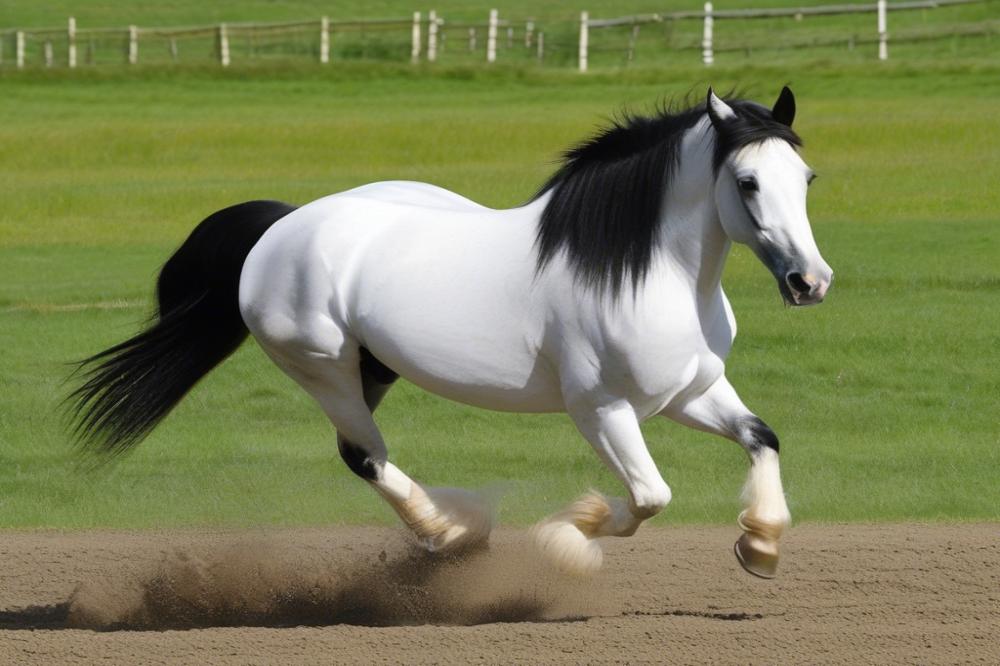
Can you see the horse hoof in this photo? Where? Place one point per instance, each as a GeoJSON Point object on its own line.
{"type": "Point", "coordinates": [758, 556]}
{"type": "Point", "coordinates": [567, 548]}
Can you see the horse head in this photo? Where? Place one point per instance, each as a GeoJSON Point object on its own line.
{"type": "Point", "coordinates": [761, 184]}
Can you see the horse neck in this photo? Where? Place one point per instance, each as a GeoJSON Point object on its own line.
{"type": "Point", "coordinates": [693, 240]}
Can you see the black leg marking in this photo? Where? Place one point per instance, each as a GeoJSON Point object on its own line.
{"type": "Point", "coordinates": [756, 434]}
{"type": "Point", "coordinates": [357, 460]}
{"type": "Point", "coordinates": [376, 378]}
{"type": "Point", "coordinates": [374, 368]}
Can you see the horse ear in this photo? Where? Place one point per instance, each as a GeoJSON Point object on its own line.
{"type": "Point", "coordinates": [784, 108]}
{"type": "Point", "coordinates": [718, 111]}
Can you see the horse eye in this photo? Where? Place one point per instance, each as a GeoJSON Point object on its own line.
{"type": "Point", "coordinates": [748, 184]}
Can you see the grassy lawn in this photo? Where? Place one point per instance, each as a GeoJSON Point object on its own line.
{"type": "Point", "coordinates": [885, 397]}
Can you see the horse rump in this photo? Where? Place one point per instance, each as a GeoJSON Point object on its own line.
{"type": "Point", "coordinates": [129, 388]}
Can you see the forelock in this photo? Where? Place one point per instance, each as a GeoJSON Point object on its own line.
{"type": "Point", "coordinates": [752, 124]}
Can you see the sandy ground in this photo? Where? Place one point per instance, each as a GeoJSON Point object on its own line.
{"type": "Point", "coordinates": [845, 594]}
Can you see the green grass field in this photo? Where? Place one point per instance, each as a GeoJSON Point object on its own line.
{"type": "Point", "coordinates": [885, 397]}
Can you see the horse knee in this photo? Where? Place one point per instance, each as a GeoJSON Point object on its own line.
{"type": "Point", "coordinates": [757, 437]}
{"type": "Point", "coordinates": [360, 460]}
{"type": "Point", "coordinates": [649, 501]}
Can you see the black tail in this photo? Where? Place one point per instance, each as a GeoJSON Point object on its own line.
{"type": "Point", "coordinates": [130, 387]}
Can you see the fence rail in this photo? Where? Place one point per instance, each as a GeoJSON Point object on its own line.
{"type": "Point", "coordinates": [821, 10]}
{"type": "Point", "coordinates": [429, 36]}
{"type": "Point", "coordinates": [709, 15]}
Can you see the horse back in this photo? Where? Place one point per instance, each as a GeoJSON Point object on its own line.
{"type": "Point", "coordinates": [439, 289]}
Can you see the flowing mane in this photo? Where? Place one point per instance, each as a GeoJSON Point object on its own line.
{"type": "Point", "coordinates": [609, 193]}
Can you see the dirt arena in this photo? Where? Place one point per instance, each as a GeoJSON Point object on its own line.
{"type": "Point", "coordinates": [845, 594]}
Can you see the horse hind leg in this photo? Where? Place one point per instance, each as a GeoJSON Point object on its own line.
{"type": "Point", "coordinates": [442, 519]}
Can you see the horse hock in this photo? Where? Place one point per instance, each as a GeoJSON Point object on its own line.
{"type": "Point", "coordinates": [444, 519]}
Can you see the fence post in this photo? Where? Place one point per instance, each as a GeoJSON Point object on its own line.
{"type": "Point", "coordinates": [133, 45]}
{"type": "Point", "coordinates": [48, 52]}
{"type": "Point", "coordinates": [491, 38]}
{"type": "Point", "coordinates": [883, 46]}
{"type": "Point", "coordinates": [324, 40]}
{"type": "Point", "coordinates": [529, 28]}
{"type": "Point", "coordinates": [71, 42]}
{"type": "Point", "coordinates": [707, 55]}
{"type": "Point", "coordinates": [631, 42]}
{"type": "Point", "coordinates": [19, 49]}
{"type": "Point", "coordinates": [415, 39]}
{"type": "Point", "coordinates": [541, 46]}
{"type": "Point", "coordinates": [223, 45]}
{"type": "Point", "coordinates": [472, 39]}
{"type": "Point", "coordinates": [584, 35]}
{"type": "Point", "coordinates": [432, 36]}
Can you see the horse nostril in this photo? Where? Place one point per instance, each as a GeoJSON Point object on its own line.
{"type": "Point", "coordinates": [798, 283]}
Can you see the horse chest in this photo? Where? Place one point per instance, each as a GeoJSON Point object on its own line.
{"type": "Point", "coordinates": [662, 353]}
{"type": "Point", "coordinates": [659, 374]}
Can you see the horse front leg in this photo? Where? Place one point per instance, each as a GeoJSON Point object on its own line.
{"type": "Point", "coordinates": [568, 538]}
{"type": "Point", "coordinates": [719, 410]}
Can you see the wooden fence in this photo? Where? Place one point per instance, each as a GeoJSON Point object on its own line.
{"type": "Point", "coordinates": [134, 44]}
{"type": "Point", "coordinates": [415, 38]}
{"type": "Point", "coordinates": [879, 32]}
{"type": "Point", "coordinates": [426, 37]}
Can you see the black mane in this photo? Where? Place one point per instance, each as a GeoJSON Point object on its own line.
{"type": "Point", "coordinates": [606, 206]}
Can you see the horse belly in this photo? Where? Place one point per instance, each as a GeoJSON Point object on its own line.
{"type": "Point", "coordinates": [473, 364]}
{"type": "Point", "coordinates": [473, 382]}
{"type": "Point", "coordinates": [465, 325]}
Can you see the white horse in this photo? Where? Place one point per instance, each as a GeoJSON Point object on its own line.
{"type": "Point", "coordinates": [600, 298]}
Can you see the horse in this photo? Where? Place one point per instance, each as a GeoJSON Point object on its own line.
{"type": "Point", "coordinates": [600, 297]}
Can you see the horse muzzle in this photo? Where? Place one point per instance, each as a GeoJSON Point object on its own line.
{"type": "Point", "coordinates": [805, 288]}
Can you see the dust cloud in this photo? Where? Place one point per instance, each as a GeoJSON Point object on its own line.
{"type": "Point", "coordinates": [266, 582]}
